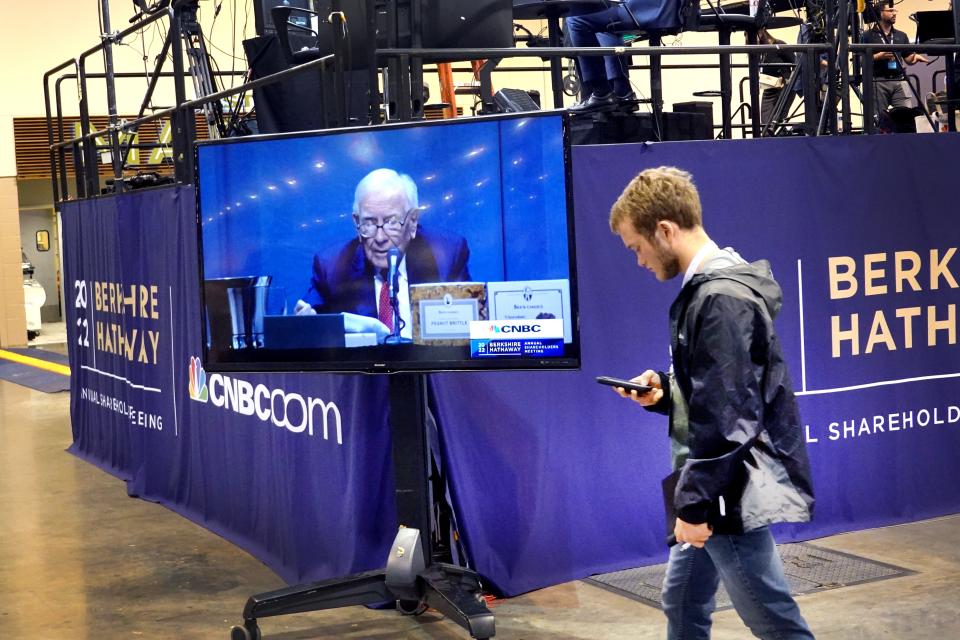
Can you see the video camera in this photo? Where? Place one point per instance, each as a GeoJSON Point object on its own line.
{"type": "Point", "coordinates": [142, 180]}
{"type": "Point", "coordinates": [872, 8]}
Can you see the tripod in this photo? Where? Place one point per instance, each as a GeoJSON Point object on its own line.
{"type": "Point", "coordinates": [411, 577]}
{"type": "Point", "coordinates": [199, 69]}
{"type": "Point", "coordinates": [779, 115]}
{"type": "Point", "coordinates": [804, 75]}
{"type": "Point", "coordinates": [186, 26]}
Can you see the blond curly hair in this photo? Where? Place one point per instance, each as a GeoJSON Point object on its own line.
{"type": "Point", "coordinates": [663, 193]}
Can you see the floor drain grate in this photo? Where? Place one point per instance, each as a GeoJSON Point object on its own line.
{"type": "Point", "coordinates": [809, 569]}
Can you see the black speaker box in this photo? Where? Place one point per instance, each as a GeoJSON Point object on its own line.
{"type": "Point", "coordinates": [687, 126]}
{"type": "Point", "coordinates": [698, 106]}
{"type": "Point", "coordinates": [296, 103]}
{"type": "Point", "coordinates": [612, 128]}
{"type": "Point", "coordinates": [620, 128]}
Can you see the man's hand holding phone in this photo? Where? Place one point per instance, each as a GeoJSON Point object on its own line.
{"type": "Point", "coordinates": [648, 378]}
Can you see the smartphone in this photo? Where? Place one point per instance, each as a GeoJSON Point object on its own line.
{"type": "Point", "coordinates": [625, 384]}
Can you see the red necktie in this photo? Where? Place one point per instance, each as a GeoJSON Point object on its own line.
{"type": "Point", "coordinates": [385, 311]}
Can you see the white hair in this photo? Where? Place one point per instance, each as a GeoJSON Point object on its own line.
{"type": "Point", "coordinates": [386, 180]}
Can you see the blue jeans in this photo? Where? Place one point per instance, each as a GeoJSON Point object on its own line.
{"type": "Point", "coordinates": [751, 571]}
{"type": "Point", "coordinates": [597, 29]}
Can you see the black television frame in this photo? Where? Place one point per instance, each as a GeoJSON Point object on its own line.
{"type": "Point", "coordinates": [361, 359]}
{"type": "Point", "coordinates": [442, 26]}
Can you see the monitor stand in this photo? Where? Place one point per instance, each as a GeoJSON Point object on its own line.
{"type": "Point", "coordinates": [410, 577]}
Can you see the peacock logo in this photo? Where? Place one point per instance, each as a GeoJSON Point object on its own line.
{"type": "Point", "coordinates": [198, 380]}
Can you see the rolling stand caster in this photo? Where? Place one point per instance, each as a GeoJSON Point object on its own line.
{"type": "Point", "coordinates": [249, 631]}
{"type": "Point", "coordinates": [411, 607]}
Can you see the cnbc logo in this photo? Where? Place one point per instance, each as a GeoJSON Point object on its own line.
{"type": "Point", "coordinates": [515, 328]}
{"type": "Point", "coordinates": [197, 385]}
{"type": "Point", "coordinates": [292, 411]}
{"type": "Point", "coordinates": [521, 329]}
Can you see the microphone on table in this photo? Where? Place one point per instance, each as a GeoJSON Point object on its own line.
{"type": "Point", "coordinates": [394, 257]}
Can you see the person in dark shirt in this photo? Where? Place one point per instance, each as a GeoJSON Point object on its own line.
{"type": "Point", "coordinates": [777, 65]}
{"type": "Point", "coordinates": [888, 74]}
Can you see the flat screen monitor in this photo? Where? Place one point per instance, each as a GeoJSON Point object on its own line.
{"type": "Point", "coordinates": [447, 24]}
{"type": "Point", "coordinates": [934, 25]}
{"type": "Point", "coordinates": [444, 245]}
{"type": "Point", "coordinates": [466, 24]}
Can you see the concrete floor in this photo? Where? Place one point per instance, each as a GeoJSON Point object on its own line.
{"type": "Point", "coordinates": [78, 559]}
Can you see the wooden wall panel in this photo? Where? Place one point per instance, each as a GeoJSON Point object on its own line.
{"type": "Point", "coordinates": [33, 151]}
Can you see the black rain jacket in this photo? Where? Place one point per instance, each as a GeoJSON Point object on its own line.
{"type": "Point", "coordinates": [747, 463]}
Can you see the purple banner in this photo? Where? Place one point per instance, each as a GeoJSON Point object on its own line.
{"type": "Point", "coordinates": [557, 478]}
{"type": "Point", "coordinates": [267, 461]}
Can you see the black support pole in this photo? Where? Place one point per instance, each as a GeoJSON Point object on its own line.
{"type": "Point", "coordinates": [114, 137]}
{"type": "Point", "coordinates": [404, 106]}
{"type": "Point", "coordinates": [830, 104]}
{"type": "Point", "coordinates": [656, 88]}
{"type": "Point", "coordinates": [726, 86]}
{"type": "Point", "coordinates": [953, 91]}
{"type": "Point", "coordinates": [416, 63]}
{"type": "Point", "coordinates": [53, 152]}
{"type": "Point", "coordinates": [754, 79]}
{"type": "Point", "coordinates": [90, 182]}
{"type": "Point", "coordinates": [411, 455]}
{"type": "Point", "coordinates": [809, 76]}
{"type": "Point", "coordinates": [373, 77]}
{"type": "Point", "coordinates": [869, 93]}
{"type": "Point", "coordinates": [843, 61]}
{"type": "Point", "coordinates": [183, 121]}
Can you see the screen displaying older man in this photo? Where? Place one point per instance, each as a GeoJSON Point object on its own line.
{"type": "Point", "coordinates": [387, 222]}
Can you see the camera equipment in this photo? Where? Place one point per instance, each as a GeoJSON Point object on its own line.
{"type": "Point", "coordinates": [144, 9]}
{"type": "Point", "coordinates": [304, 27]}
{"type": "Point", "coordinates": [871, 10]}
{"type": "Point", "coordinates": [142, 180]}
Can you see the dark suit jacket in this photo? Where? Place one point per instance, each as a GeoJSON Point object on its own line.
{"type": "Point", "coordinates": [344, 281]}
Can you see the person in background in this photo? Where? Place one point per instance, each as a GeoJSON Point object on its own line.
{"type": "Point", "coordinates": [888, 74]}
{"type": "Point", "coordinates": [778, 66]}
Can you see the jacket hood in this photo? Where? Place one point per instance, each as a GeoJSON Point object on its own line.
{"type": "Point", "coordinates": [756, 276]}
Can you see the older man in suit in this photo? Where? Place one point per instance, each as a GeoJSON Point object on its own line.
{"type": "Point", "coordinates": [354, 279]}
